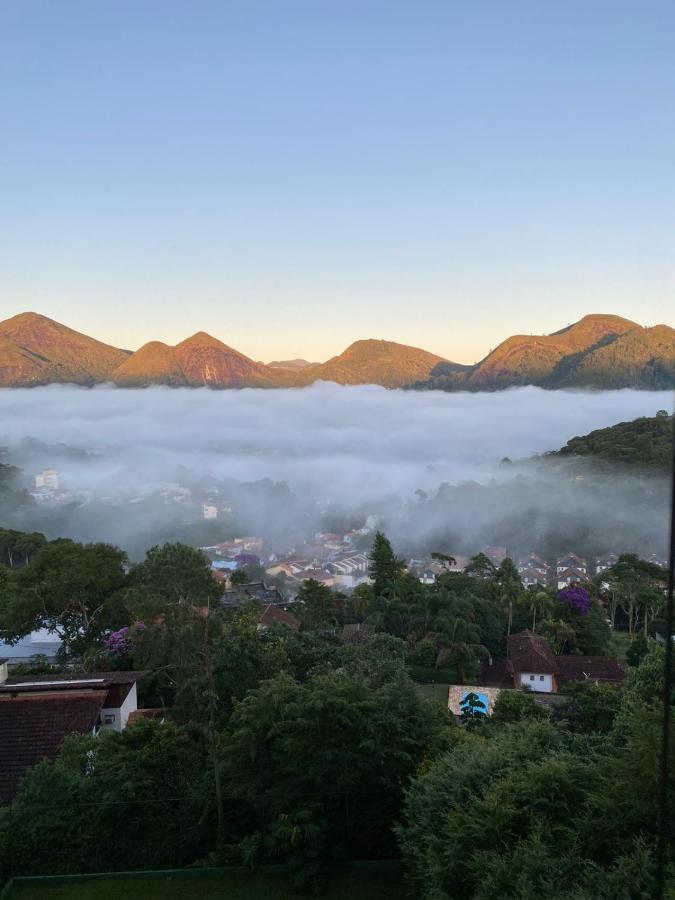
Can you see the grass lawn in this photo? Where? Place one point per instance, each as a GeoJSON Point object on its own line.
{"type": "Point", "coordinates": [351, 883]}
{"type": "Point", "coordinates": [437, 692]}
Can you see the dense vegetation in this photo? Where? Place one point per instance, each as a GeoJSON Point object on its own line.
{"type": "Point", "coordinates": [291, 746]}
{"type": "Point", "coordinates": [645, 443]}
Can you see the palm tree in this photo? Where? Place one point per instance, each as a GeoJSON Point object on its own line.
{"type": "Point", "coordinates": [540, 604]}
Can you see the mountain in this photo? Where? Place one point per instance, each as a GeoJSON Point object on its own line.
{"type": "Point", "coordinates": [598, 351]}
{"type": "Point", "coordinates": [197, 361]}
{"type": "Point", "coordinates": [531, 359]}
{"type": "Point", "coordinates": [290, 364]}
{"type": "Point", "coordinates": [373, 362]}
{"type": "Point", "coordinates": [37, 350]}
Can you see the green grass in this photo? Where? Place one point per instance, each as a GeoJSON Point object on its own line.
{"type": "Point", "coordinates": [349, 883]}
{"type": "Point", "coordinates": [436, 692]}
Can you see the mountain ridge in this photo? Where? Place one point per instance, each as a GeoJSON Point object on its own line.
{"type": "Point", "coordinates": [598, 351]}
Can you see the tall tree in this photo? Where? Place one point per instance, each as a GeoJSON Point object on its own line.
{"type": "Point", "coordinates": [385, 567]}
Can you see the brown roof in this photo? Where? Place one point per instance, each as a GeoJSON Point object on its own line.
{"type": "Point", "coordinates": [530, 652]}
{"type": "Point", "coordinates": [33, 727]}
{"type": "Point", "coordinates": [600, 669]}
{"type": "Point", "coordinates": [495, 673]}
{"type": "Point", "coordinates": [275, 614]}
{"type": "Point", "coordinates": [80, 681]}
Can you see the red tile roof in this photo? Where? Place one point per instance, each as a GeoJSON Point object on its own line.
{"type": "Point", "coordinates": [33, 727]}
{"type": "Point", "coordinates": [600, 669]}
{"type": "Point", "coordinates": [274, 614]}
{"type": "Point", "coordinates": [530, 652]}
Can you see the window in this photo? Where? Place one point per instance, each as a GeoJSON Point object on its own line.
{"type": "Point", "coordinates": [531, 677]}
{"type": "Point", "coordinates": [541, 678]}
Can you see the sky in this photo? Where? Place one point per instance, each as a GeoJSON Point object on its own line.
{"type": "Point", "coordinates": [291, 176]}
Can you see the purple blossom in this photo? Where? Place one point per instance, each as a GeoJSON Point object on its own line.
{"type": "Point", "coordinates": [576, 598]}
{"type": "Point", "coordinates": [120, 641]}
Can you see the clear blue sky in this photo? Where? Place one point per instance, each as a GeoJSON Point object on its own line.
{"type": "Point", "coordinates": [291, 176]}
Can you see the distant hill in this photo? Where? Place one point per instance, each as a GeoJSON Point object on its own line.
{"type": "Point", "coordinates": [197, 361]}
{"type": "Point", "coordinates": [598, 351]}
{"type": "Point", "coordinates": [290, 364]}
{"type": "Point", "coordinates": [36, 350]}
{"type": "Point", "coordinates": [645, 443]}
{"type": "Point", "coordinates": [374, 362]}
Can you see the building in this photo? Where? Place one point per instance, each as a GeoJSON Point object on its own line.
{"type": "Point", "coordinates": [534, 562]}
{"type": "Point", "coordinates": [571, 561]}
{"type": "Point", "coordinates": [533, 578]}
{"type": "Point", "coordinates": [258, 591]}
{"type": "Point", "coordinates": [496, 555]}
{"type": "Point", "coordinates": [531, 663]}
{"type": "Point", "coordinates": [209, 511]}
{"type": "Point", "coordinates": [48, 478]}
{"type": "Point", "coordinates": [37, 713]}
{"type": "Point", "coordinates": [277, 615]}
{"type": "Point", "coordinates": [606, 561]}
{"type": "Point", "coordinates": [567, 577]}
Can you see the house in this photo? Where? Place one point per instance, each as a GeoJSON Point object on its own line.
{"type": "Point", "coordinates": [533, 578]}
{"type": "Point", "coordinates": [606, 561]}
{"type": "Point", "coordinates": [567, 577]}
{"type": "Point", "coordinates": [496, 555]}
{"type": "Point", "coordinates": [531, 663]}
{"type": "Point", "coordinates": [534, 562]}
{"type": "Point", "coordinates": [258, 591]}
{"type": "Point", "coordinates": [571, 561]}
{"type": "Point", "coordinates": [598, 669]}
{"type": "Point", "coordinates": [48, 478]}
{"type": "Point", "coordinates": [209, 511]}
{"type": "Point", "coordinates": [349, 568]}
{"type": "Point", "coordinates": [657, 561]}
{"type": "Point", "coordinates": [276, 615]}
{"type": "Point", "coordinates": [38, 712]}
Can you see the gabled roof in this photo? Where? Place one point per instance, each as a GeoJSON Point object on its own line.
{"type": "Point", "coordinates": [275, 614]}
{"type": "Point", "coordinates": [70, 681]}
{"type": "Point", "coordinates": [530, 652]}
{"type": "Point", "coordinates": [254, 590]}
{"type": "Point", "coordinates": [600, 669]}
{"type": "Point", "coordinates": [33, 727]}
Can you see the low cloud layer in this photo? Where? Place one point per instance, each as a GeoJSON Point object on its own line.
{"type": "Point", "coordinates": [351, 444]}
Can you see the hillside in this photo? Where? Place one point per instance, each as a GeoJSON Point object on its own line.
{"type": "Point", "coordinates": [598, 351]}
{"type": "Point", "coordinates": [532, 359]}
{"type": "Point", "coordinates": [645, 443]}
{"type": "Point", "coordinates": [197, 361]}
{"type": "Point", "coordinates": [374, 362]}
{"type": "Point", "coordinates": [37, 350]}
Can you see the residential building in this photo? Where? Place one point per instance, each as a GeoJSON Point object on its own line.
{"type": "Point", "coordinates": [606, 561]}
{"type": "Point", "coordinates": [209, 511]}
{"type": "Point", "coordinates": [48, 478]}
{"type": "Point", "coordinates": [567, 577]}
{"type": "Point", "coordinates": [38, 712]}
{"type": "Point", "coordinates": [534, 562]}
{"type": "Point", "coordinates": [276, 615]}
{"type": "Point", "coordinates": [533, 578]}
{"type": "Point", "coordinates": [571, 561]}
{"type": "Point", "coordinates": [258, 591]}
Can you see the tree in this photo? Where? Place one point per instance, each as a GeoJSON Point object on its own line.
{"type": "Point", "coordinates": [171, 575]}
{"type": "Point", "coordinates": [481, 566]}
{"type": "Point", "coordinates": [331, 756]}
{"type": "Point", "coordinates": [636, 584]}
{"type": "Point", "coordinates": [317, 606]}
{"type": "Point", "coordinates": [73, 590]}
{"type": "Point", "coordinates": [517, 706]}
{"type": "Point", "coordinates": [474, 711]}
{"type": "Point", "coordinates": [385, 568]}
{"type": "Point", "coordinates": [540, 604]}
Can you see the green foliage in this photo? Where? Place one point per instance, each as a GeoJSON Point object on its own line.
{"type": "Point", "coordinates": [588, 707]}
{"type": "Point", "coordinates": [126, 800]}
{"type": "Point", "coordinates": [645, 443]}
{"type": "Point", "coordinates": [74, 590]}
{"type": "Point", "coordinates": [385, 569]}
{"type": "Point", "coordinates": [317, 604]}
{"type": "Point", "coordinates": [517, 706]}
{"type": "Point", "coordinates": [171, 575]}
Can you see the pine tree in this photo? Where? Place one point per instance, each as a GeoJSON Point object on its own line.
{"type": "Point", "coordinates": [385, 567]}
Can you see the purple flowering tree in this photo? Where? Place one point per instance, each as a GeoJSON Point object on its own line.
{"type": "Point", "coordinates": [121, 641]}
{"type": "Point", "coordinates": [576, 597]}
